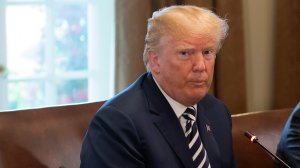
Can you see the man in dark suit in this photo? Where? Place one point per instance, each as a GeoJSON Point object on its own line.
{"type": "Point", "coordinates": [288, 148]}
{"type": "Point", "coordinates": [166, 119]}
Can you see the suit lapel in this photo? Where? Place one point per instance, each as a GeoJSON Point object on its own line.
{"type": "Point", "coordinates": [173, 133]}
{"type": "Point", "coordinates": [207, 136]}
{"type": "Point", "coordinates": [167, 122]}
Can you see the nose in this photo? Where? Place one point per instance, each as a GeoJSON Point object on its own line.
{"type": "Point", "coordinates": [199, 63]}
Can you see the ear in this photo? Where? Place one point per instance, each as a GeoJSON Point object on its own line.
{"type": "Point", "coordinates": [153, 62]}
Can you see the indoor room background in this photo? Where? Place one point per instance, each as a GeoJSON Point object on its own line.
{"type": "Point", "coordinates": [258, 67]}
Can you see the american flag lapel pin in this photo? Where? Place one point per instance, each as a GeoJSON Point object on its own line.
{"type": "Point", "coordinates": [208, 129]}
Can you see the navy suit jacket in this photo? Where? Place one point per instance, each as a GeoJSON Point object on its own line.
{"type": "Point", "coordinates": [288, 148]}
{"type": "Point", "coordinates": [139, 129]}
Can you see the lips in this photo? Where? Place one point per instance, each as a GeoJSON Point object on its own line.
{"type": "Point", "coordinates": [199, 82]}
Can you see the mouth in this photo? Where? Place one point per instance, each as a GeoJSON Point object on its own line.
{"type": "Point", "coordinates": [199, 83]}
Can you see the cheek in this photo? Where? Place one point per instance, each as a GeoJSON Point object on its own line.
{"type": "Point", "coordinates": [174, 74]}
{"type": "Point", "coordinates": [210, 72]}
{"type": "Point", "coordinates": [170, 66]}
{"type": "Point", "coordinates": [179, 72]}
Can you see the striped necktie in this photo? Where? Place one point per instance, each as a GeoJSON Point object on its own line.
{"type": "Point", "coordinates": [200, 157]}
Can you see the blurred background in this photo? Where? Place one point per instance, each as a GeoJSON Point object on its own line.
{"type": "Point", "coordinates": [55, 52]}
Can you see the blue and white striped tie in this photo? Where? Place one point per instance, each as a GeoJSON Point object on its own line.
{"type": "Point", "coordinates": [200, 157]}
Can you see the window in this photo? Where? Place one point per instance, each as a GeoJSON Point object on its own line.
{"type": "Point", "coordinates": [55, 52]}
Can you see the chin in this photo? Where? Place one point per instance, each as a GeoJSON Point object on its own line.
{"type": "Point", "coordinates": [199, 93]}
{"type": "Point", "coordinates": [197, 98]}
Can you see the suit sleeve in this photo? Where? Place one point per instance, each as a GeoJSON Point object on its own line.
{"type": "Point", "coordinates": [289, 146]}
{"type": "Point", "coordinates": [111, 141]}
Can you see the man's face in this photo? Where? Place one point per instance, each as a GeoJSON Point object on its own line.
{"type": "Point", "coordinates": [184, 67]}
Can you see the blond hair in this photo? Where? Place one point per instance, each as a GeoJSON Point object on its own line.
{"type": "Point", "coordinates": [183, 20]}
